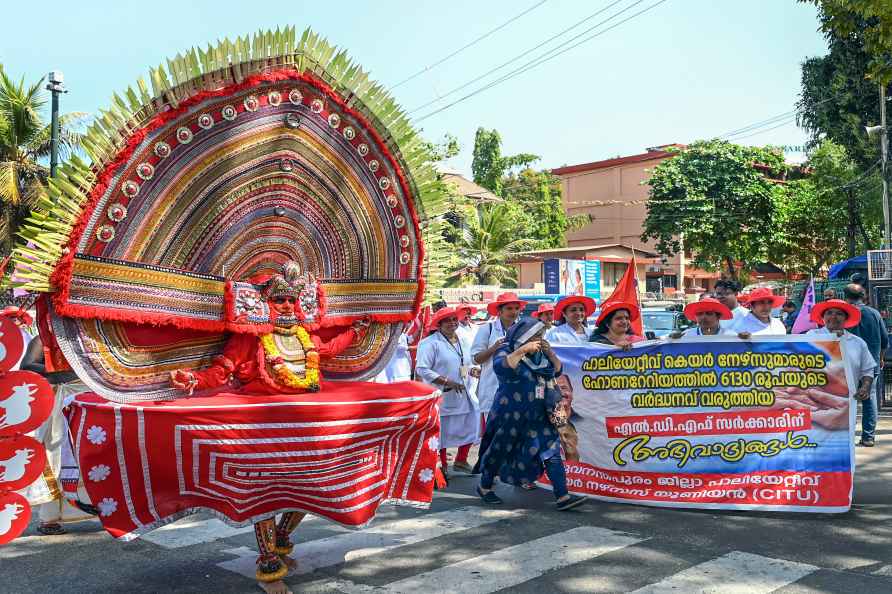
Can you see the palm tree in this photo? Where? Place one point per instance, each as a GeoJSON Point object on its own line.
{"type": "Point", "coordinates": [24, 148]}
{"type": "Point", "coordinates": [488, 239]}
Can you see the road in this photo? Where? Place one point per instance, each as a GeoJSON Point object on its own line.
{"type": "Point", "coordinates": [523, 546]}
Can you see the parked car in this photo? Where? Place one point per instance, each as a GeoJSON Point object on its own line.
{"type": "Point", "coordinates": [661, 321]}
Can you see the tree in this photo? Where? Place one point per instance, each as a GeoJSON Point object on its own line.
{"type": "Point", "coordinates": [489, 166]}
{"type": "Point", "coordinates": [24, 147]}
{"type": "Point", "coordinates": [868, 19]}
{"type": "Point", "coordinates": [539, 193]}
{"type": "Point", "coordinates": [837, 99]}
{"type": "Point", "coordinates": [488, 240]}
{"type": "Point", "coordinates": [814, 216]}
{"type": "Point", "coordinates": [721, 199]}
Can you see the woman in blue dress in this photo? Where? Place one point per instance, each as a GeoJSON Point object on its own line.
{"type": "Point", "coordinates": [520, 440]}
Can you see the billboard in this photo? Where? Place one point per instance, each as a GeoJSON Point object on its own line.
{"type": "Point", "coordinates": [573, 277]}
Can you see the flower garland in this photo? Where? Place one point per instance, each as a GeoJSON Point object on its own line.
{"type": "Point", "coordinates": [284, 375]}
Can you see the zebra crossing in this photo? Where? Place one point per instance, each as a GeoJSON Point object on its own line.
{"type": "Point", "coordinates": [362, 562]}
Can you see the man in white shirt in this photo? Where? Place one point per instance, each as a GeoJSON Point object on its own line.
{"type": "Point", "coordinates": [726, 292]}
{"type": "Point", "coordinates": [759, 321]}
{"type": "Point", "coordinates": [490, 337]}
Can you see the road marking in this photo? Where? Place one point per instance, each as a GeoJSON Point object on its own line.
{"type": "Point", "coordinates": [190, 531]}
{"type": "Point", "coordinates": [325, 552]}
{"type": "Point", "coordinates": [734, 573]}
{"type": "Point", "coordinates": [505, 568]}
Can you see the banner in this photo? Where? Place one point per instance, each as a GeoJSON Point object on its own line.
{"type": "Point", "coordinates": [717, 423]}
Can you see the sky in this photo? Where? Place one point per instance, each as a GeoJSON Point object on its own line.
{"type": "Point", "coordinates": [681, 71]}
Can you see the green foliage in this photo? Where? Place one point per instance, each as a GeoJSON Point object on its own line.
{"type": "Point", "coordinates": [488, 239]}
{"type": "Point", "coordinates": [489, 166]}
{"type": "Point", "coordinates": [870, 20]}
{"type": "Point", "coordinates": [24, 147]}
{"type": "Point", "coordinates": [539, 193]}
{"type": "Point", "coordinates": [813, 218]}
{"type": "Point", "coordinates": [445, 149]}
{"type": "Point", "coordinates": [719, 197]}
{"type": "Point", "coordinates": [837, 100]}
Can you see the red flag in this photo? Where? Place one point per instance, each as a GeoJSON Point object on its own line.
{"type": "Point", "coordinates": [627, 291]}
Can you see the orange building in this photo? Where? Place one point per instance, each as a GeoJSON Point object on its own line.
{"type": "Point", "coordinates": [615, 193]}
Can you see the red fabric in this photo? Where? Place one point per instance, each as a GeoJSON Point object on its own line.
{"type": "Point", "coordinates": [444, 458]}
{"type": "Point", "coordinates": [338, 453]}
{"type": "Point", "coordinates": [627, 290]}
{"type": "Point", "coordinates": [463, 451]}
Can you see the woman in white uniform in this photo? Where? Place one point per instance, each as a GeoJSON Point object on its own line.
{"type": "Point", "coordinates": [444, 361]}
{"type": "Point", "coordinates": [573, 311]}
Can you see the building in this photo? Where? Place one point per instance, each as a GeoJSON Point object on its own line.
{"type": "Point", "coordinates": [615, 193]}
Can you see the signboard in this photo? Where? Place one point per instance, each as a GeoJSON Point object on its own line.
{"type": "Point", "coordinates": [715, 423]}
{"type": "Point", "coordinates": [573, 277]}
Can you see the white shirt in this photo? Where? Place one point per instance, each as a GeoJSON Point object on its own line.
{"type": "Point", "coordinates": [858, 360]}
{"type": "Point", "coordinates": [437, 357]}
{"type": "Point", "coordinates": [750, 323]}
{"type": "Point", "coordinates": [738, 312]}
{"type": "Point", "coordinates": [695, 331]}
{"type": "Point", "coordinates": [489, 383]}
{"type": "Point", "coordinates": [467, 333]}
{"type": "Point", "coordinates": [565, 334]}
{"type": "Point", "coordinates": [399, 368]}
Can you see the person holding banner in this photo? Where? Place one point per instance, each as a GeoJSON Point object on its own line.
{"type": "Point", "coordinates": [759, 321]}
{"type": "Point", "coordinates": [708, 313]}
{"type": "Point", "coordinates": [573, 311]}
{"type": "Point", "coordinates": [614, 326]}
{"type": "Point", "coordinates": [520, 441]}
{"type": "Point", "coordinates": [836, 316]}
{"type": "Point", "coordinates": [445, 362]}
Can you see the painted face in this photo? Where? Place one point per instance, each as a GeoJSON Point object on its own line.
{"type": "Point", "coordinates": [707, 319]}
{"type": "Point", "coordinates": [575, 313]}
{"type": "Point", "coordinates": [762, 307]}
{"type": "Point", "coordinates": [834, 319]}
{"type": "Point", "coordinates": [283, 305]}
{"type": "Point", "coordinates": [621, 322]}
{"type": "Point", "coordinates": [727, 297]}
{"type": "Point", "coordinates": [509, 312]}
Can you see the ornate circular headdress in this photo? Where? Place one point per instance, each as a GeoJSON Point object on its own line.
{"type": "Point", "coordinates": [231, 162]}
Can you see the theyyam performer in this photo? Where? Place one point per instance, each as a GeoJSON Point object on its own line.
{"type": "Point", "coordinates": [239, 257]}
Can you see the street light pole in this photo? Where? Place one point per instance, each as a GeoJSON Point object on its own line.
{"type": "Point", "coordinates": [884, 151]}
{"type": "Point", "coordinates": [56, 88]}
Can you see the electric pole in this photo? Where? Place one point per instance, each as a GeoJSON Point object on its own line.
{"type": "Point", "coordinates": [884, 151]}
{"type": "Point", "coordinates": [56, 88]}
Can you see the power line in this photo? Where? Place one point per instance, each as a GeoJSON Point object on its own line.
{"type": "Point", "coordinates": [515, 58]}
{"type": "Point", "coordinates": [756, 133]}
{"type": "Point", "coordinates": [545, 57]}
{"type": "Point", "coordinates": [468, 45]}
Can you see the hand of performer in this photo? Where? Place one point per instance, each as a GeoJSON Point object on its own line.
{"type": "Point", "coordinates": [475, 372]}
{"type": "Point", "coordinates": [183, 380]}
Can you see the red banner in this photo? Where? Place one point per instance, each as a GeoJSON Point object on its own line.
{"type": "Point", "coordinates": [338, 453]}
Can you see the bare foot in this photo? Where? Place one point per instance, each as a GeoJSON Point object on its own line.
{"type": "Point", "coordinates": [277, 587]}
{"type": "Point", "coordinates": [290, 562]}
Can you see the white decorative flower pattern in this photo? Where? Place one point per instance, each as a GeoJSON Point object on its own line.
{"type": "Point", "coordinates": [96, 435]}
{"type": "Point", "coordinates": [434, 443]}
{"type": "Point", "coordinates": [107, 507]}
{"type": "Point", "coordinates": [426, 475]}
{"type": "Point", "coordinates": [99, 473]}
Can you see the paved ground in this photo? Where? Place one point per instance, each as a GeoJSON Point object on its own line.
{"type": "Point", "coordinates": [523, 546]}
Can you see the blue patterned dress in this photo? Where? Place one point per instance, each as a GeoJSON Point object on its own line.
{"type": "Point", "coordinates": [519, 437]}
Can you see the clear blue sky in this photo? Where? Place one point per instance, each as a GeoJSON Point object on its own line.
{"type": "Point", "coordinates": [685, 70]}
